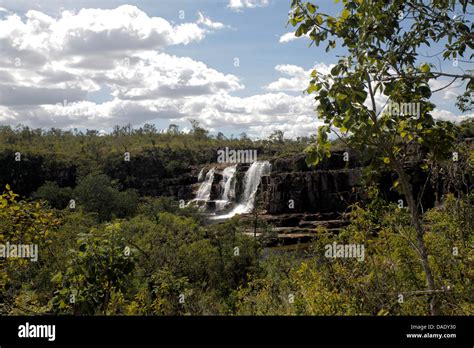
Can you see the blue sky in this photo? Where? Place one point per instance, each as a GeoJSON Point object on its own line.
{"type": "Point", "coordinates": [71, 71]}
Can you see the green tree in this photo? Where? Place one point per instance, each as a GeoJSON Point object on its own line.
{"type": "Point", "coordinates": [173, 129]}
{"type": "Point", "coordinates": [24, 222]}
{"type": "Point", "coordinates": [197, 131]}
{"type": "Point", "coordinates": [277, 136]}
{"type": "Point", "coordinates": [58, 197]}
{"type": "Point", "coordinates": [382, 41]}
{"type": "Point", "coordinates": [97, 272]}
{"type": "Point", "coordinates": [97, 194]}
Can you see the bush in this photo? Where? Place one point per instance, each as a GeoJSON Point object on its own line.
{"type": "Point", "coordinates": [57, 197]}
{"type": "Point", "coordinates": [96, 193]}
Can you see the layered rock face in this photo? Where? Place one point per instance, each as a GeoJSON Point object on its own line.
{"type": "Point", "coordinates": [293, 187]}
{"type": "Point", "coordinates": [318, 191]}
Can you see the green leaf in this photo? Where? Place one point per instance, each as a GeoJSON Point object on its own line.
{"type": "Point", "coordinates": [425, 68]}
{"type": "Point", "coordinates": [312, 88]}
{"type": "Point", "coordinates": [335, 70]}
{"type": "Point", "coordinates": [300, 31]}
{"type": "Point", "coordinates": [341, 96]}
{"type": "Point", "coordinates": [345, 14]}
{"type": "Point", "coordinates": [361, 96]}
{"type": "Point", "coordinates": [57, 278]}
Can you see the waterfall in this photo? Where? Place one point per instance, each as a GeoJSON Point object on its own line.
{"type": "Point", "coordinates": [228, 187]}
{"type": "Point", "coordinates": [228, 184]}
{"type": "Point", "coordinates": [252, 181]}
{"type": "Point", "coordinates": [201, 175]}
{"type": "Point", "coordinates": [204, 192]}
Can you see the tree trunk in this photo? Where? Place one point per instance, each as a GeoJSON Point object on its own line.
{"type": "Point", "coordinates": [416, 221]}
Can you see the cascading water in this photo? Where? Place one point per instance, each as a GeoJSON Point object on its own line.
{"type": "Point", "coordinates": [228, 187]}
{"type": "Point", "coordinates": [204, 192]}
{"type": "Point", "coordinates": [201, 175]}
{"type": "Point", "coordinates": [252, 180]}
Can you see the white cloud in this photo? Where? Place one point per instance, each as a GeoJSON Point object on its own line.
{"type": "Point", "coordinates": [238, 5]}
{"type": "Point", "coordinates": [206, 21]}
{"type": "Point", "coordinates": [450, 95]}
{"type": "Point", "coordinates": [259, 114]}
{"type": "Point", "coordinates": [50, 66]}
{"type": "Point", "coordinates": [303, 126]}
{"type": "Point", "coordinates": [446, 91]}
{"type": "Point", "coordinates": [46, 60]}
{"type": "Point", "coordinates": [159, 75]}
{"type": "Point", "coordinates": [445, 115]}
{"type": "Point", "coordinates": [288, 37]}
{"type": "Point", "coordinates": [298, 79]}
{"type": "Point", "coordinates": [123, 29]}
{"type": "Point", "coordinates": [379, 99]}
{"type": "Point", "coordinates": [86, 114]}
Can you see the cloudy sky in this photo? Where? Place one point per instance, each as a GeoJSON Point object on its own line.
{"type": "Point", "coordinates": [233, 65]}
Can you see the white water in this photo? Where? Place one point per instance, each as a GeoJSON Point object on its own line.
{"type": "Point", "coordinates": [228, 183]}
{"type": "Point", "coordinates": [228, 187]}
{"type": "Point", "coordinates": [201, 175]}
{"type": "Point", "coordinates": [252, 180]}
{"type": "Point", "coordinates": [204, 192]}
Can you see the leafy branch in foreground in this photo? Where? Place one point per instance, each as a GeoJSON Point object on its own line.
{"type": "Point", "coordinates": [383, 40]}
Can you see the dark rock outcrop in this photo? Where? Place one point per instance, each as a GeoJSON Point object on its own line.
{"type": "Point", "coordinates": [315, 191]}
